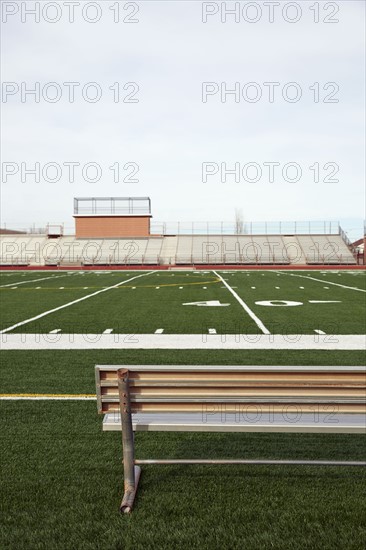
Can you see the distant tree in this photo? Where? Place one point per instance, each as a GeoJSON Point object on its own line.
{"type": "Point", "coordinates": [239, 222]}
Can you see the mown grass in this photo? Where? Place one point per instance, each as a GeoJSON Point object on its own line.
{"type": "Point", "coordinates": [62, 485]}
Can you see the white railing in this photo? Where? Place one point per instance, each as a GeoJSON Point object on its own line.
{"type": "Point", "coordinates": [249, 228]}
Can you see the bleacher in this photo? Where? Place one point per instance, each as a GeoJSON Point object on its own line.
{"type": "Point", "coordinates": [325, 249]}
{"type": "Point", "coordinates": [21, 250]}
{"type": "Point", "coordinates": [184, 250]}
{"type": "Point", "coordinates": [112, 251]}
{"type": "Point", "coordinates": [38, 250]}
{"type": "Point", "coordinates": [207, 249]}
{"type": "Point", "coordinates": [153, 251]}
{"type": "Point", "coordinates": [231, 250]}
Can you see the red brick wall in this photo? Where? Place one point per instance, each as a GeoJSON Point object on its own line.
{"type": "Point", "coordinates": [112, 226]}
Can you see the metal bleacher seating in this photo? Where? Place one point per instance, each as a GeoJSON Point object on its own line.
{"type": "Point", "coordinates": [182, 250]}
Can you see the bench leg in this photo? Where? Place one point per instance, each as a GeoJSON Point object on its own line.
{"type": "Point", "coordinates": [130, 471]}
{"type": "Point", "coordinates": [130, 491]}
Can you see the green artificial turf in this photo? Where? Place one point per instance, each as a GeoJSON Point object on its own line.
{"type": "Point", "coordinates": [67, 371]}
{"type": "Point", "coordinates": [156, 301]}
{"type": "Point", "coordinates": [343, 314]}
{"type": "Point", "coordinates": [62, 486]}
{"type": "Point", "coordinates": [62, 476]}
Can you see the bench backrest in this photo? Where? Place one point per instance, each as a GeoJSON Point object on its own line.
{"type": "Point", "coordinates": [192, 389]}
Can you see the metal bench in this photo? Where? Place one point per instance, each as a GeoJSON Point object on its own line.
{"type": "Point", "coordinates": [228, 399]}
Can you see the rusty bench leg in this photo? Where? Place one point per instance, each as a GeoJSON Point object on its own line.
{"type": "Point", "coordinates": [130, 471]}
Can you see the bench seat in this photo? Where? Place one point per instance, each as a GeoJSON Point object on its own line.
{"type": "Point", "coordinates": [339, 423]}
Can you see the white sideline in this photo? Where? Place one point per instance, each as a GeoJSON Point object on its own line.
{"type": "Point", "coordinates": [322, 281]}
{"type": "Point", "coordinates": [251, 313]}
{"type": "Point", "coordinates": [28, 341]}
{"type": "Point", "coordinates": [71, 303]}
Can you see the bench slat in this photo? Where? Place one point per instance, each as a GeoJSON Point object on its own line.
{"type": "Point", "coordinates": [174, 389]}
{"type": "Point", "coordinates": [164, 394]}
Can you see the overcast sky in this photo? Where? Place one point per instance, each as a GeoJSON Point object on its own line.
{"type": "Point", "coordinates": [169, 132]}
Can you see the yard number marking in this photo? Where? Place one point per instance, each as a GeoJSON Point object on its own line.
{"type": "Point", "coordinates": [278, 303]}
{"type": "Point", "coordinates": [289, 303]}
{"type": "Point", "coordinates": [209, 303]}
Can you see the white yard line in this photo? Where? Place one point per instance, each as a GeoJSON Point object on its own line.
{"type": "Point", "coordinates": [251, 313]}
{"type": "Point", "coordinates": [34, 280]}
{"type": "Point", "coordinates": [71, 303]}
{"type": "Point", "coordinates": [325, 302]}
{"type": "Point", "coordinates": [183, 341]}
{"type": "Point", "coordinates": [322, 281]}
